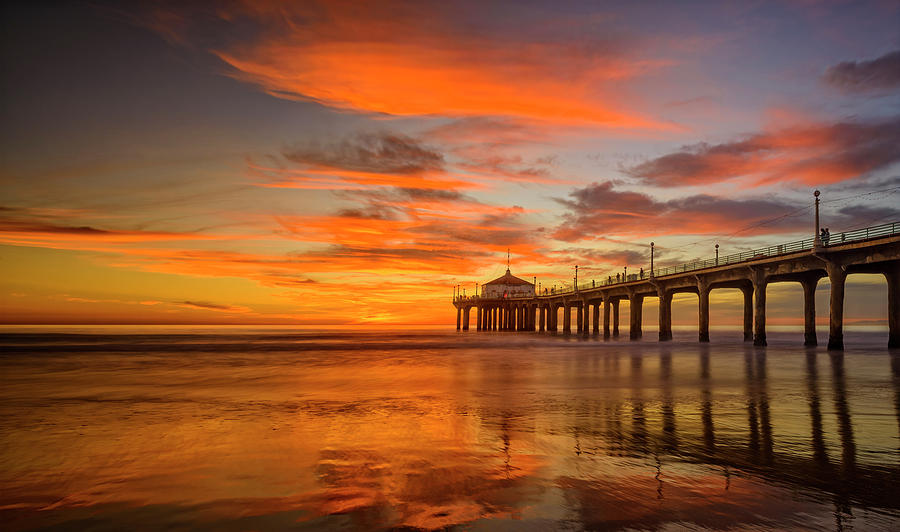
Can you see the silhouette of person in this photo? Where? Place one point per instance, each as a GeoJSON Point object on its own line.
{"type": "Point", "coordinates": [642, 273]}
{"type": "Point", "coordinates": [617, 277]}
{"type": "Point", "coordinates": [827, 236]}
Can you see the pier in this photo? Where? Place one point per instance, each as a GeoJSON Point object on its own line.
{"type": "Point", "coordinates": [871, 250]}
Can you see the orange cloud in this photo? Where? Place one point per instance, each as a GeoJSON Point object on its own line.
{"type": "Point", "coordinates": [812, 153]}
{"type": "Point", "coordinates": [420, 59]}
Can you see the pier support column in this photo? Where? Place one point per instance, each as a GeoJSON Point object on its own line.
{"type": "Point", "coordinates": [665, 314]}
{"type": "Point", "coordinates": [607, 308]}
{"type": "Point", "coordinates": [478, 318]}
{"type": "Point", "coordinates": [837, 275]}
{"type": "Point", "coordinates": [893, 282]}
{"type": "Point", "coordinates": [567, 318]}
{"type": "Point", "coordinates": [541, 318]}
{"type": "Point", "coordinates": [579, 318]}
{"type": "Point", "coordinates": [748, 313]}
{"type": "Point", "coordinates": [586, 314]}
{"type": "Point", "coordinates": [532, 311]}
{"type": "Point", "coordinates": [809, 310]}
{"type": "Point", "coordinates": [596, 318]}
{"type": "Point", "coordinates": [636, 304]}
{"type": "Point", "coordinates": [466, 318]}
{"type": "Point", "coordinates": [759, 308]}
{"type": "Point", "coordinates": [615, 318]}
{"type": "Point", "coordinates": [553, 318]}
{"type": "Point", "coordinates": [703, 292]}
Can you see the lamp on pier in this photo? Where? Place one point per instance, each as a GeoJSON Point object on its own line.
{"type": "Point", "coordinates": [651, 258]}
{"type": "Point", "coordinates": [717, 254]}
{"type": "Point", "coordinates": [576, 277]}
{"type": "Point", "coordinates": [817, 240]}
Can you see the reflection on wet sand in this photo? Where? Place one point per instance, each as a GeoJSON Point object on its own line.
{"type": "Point", "coordinates": [585, 437]}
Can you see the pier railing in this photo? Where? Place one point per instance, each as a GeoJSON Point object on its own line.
{"type": "Point", "coordinates": [856, 235]}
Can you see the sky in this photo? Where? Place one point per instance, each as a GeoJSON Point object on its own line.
{"type": "Point", "coordinates": [350, 163]}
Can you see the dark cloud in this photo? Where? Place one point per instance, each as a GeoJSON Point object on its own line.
{"type": "Point", "coordinates": [370, 212]}
{"type": "Point", "coordinates": [391, 203]}
{"type": "Point", "coordinates": [204, 305]}
{"type": "Point", "coordinates": [599, 210]}
{"type": "Point", "coordinates": [407, 195]}
{"type": "Point", "coordinates": [603, 257]}
{"type": "Point", "coordinates": [18, 226]}
{"type": "Point", "coordinates": [865, 76]}
{"type": "Point", "coordinates": [380, 153]}
{"type": "Point", "coordinates": [813, 154]}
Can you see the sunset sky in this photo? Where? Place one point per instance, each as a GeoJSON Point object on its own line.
{"type": "Point", "coordinates": [351, 162]}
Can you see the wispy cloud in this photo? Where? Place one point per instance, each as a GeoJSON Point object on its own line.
{"type": "Point", "coordinates": [423, 59]}
{"type": "Point", "coordinates": [813, 154]}
{"type": "Point", "coordinates": [599, 210]}
{"type": "Point", "coordinates": [866, 76]}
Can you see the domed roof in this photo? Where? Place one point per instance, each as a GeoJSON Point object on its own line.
{"type": "Point", "coordinates": [509, 279]}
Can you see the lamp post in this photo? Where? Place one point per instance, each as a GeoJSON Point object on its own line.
{"type": "Point", "coordinates": [625, 276]}
{"type": "Point", "coordinates": [717, 254]}
{"type": "Point", "coordinates": [535, 286]}
{"type": "Point", "coordinates": [576, 277]}
{"type": "Point", "coordinates": [817, 241]}
{"type": "Point", "coordinates": [651, 258]}
{"type": "Point", "coordinates": [476, 289]}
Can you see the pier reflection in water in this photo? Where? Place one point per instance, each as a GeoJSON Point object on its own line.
{"type": "Point", "coordinates": [429, 431]}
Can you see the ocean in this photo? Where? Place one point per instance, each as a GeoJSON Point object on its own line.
{"type": "Point", "coordinates": [224, 428]}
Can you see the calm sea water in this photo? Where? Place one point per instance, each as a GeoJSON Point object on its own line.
{"type": "Point", "coordinates": [252, 429]}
